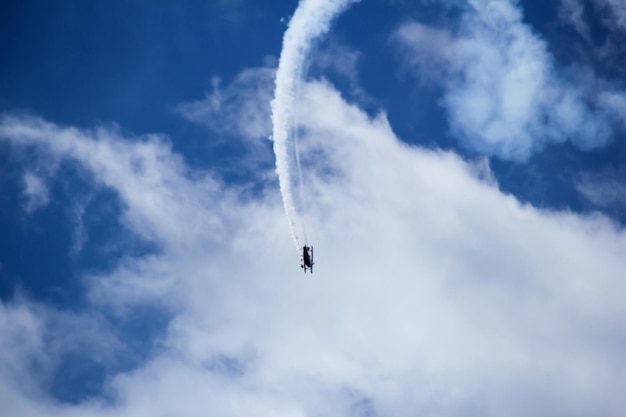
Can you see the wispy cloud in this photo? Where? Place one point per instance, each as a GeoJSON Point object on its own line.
{"type": "Point", "coordinates": [612, 12]}
{"type": "Point", "coordinates": [341, 61]}
{"type": "Point", "coordinates": [605, 189]}
{"type": "Point", "coordinates": [239, 109]}
{"type": "Point", "coordinates": [430, 50]}
{"type": "Point", "coordinates": [602, 26]}
{"type": "Point", "coordinates": [573, 12]}
{"type": "Point", "coordinates": [433, 291]}
{"type": "Point", "coordinates": [142, 172]}
{"type": "Point", "coordinates": [35, 191]}
{"type": "Point", "coordinates": [504, 94]}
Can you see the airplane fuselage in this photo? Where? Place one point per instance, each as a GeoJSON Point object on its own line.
{"type": "Point", "coordinates": [307, 258]}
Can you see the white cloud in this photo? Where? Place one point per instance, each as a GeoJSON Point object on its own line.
{"type": "Point", "coordinates": [614, 102]}
{"type": "Point", "coordinates": [343, 61]}
{"type": "Point", "coordinates": [482, 171]}
{"type": "Point", "coordinates": [572, 11]}
{"type": "Point", "coordinates": [35, 191]}
{"type": "Point", "coordinates": [145, 173]}
{"type": "Point", "coordinates": [602, 26]}
{"type": "Point", "coordinates": [503, 93]}
{"type": "Point", "coordinates": [434, 293]}
{"type": "Point", "coordinates": [35, 341]}
{"type": "Point", "coordinates": [241, 108]}
{"type": "Point", "coordinates": [604, 190]}
{"type": "Point", "coordinates": [613, 13]}
{"type": "Point", "coordinates": [22, 344]}
{"type": "Point", "coordinates": [430, 51]}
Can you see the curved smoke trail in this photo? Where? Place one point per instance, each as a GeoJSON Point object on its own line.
{"type": "Point", "coordinates": [296, 152]}
{"type": "Point", "coordinates": [311, 20]}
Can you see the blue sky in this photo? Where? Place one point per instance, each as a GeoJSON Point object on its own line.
{"type": "Point", "coordinates": [461, 181]}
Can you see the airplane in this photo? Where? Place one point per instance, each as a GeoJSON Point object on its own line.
{"type": "Point", "coordinates": [307, 258]}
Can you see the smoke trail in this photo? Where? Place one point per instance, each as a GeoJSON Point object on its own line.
{"type": "Point", "coordinates": [296, 152]}
{"type": "Point", "coordinates": [311, 20]}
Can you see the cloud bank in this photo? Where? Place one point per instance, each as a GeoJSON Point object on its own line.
{"type": "Point", "coordinates": [434, 293]}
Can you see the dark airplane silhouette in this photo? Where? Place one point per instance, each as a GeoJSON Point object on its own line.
{"type": "Point", "coordinates": [307, 258]}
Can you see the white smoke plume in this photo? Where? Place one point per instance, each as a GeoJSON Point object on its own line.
{"type": "Point", "coordinates": [310, 21]}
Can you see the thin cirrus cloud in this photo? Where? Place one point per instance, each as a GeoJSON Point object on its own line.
{"type": "Point", "coordinates": [611, 12]}
{"type": "Point", "coordinates": [503, 93]}
{"type": "Point", "coordinates": [601, 26]}
{"type": "Point", "coordinates": [434, 293]}
{"type": "Point", "coordinates": [241, 108]}
{"type": "Point", "coordinates": [35, 191]}
{"type": "Point", "coordinates": [614, 12]}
